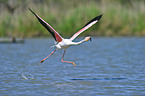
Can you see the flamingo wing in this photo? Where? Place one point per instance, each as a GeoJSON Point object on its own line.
{"type": "Point", "coordinates": [56, 36]}
{"type": "Point", "coordinates": [88, 25]}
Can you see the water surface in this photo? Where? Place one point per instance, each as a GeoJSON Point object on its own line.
{"type": "Point", "coordinates": [105, 67]}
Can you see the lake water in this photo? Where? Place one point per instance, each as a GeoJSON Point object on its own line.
{"type": "Point", "coordinates": [104, 67]}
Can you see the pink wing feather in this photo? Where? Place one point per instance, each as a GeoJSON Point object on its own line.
{"type": "Point", "coordinates": [88, 25]}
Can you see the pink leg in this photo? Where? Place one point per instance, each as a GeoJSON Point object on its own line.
{"type": "Point", "coordinates": [67, 61]}
{"type": "Point", "coordinates": [48, 55]}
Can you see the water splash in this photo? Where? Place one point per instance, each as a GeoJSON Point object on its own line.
{"type": "Point", "coordinates": [26, 78]}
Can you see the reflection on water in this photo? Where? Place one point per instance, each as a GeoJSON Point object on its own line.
{"type": "Point", "coordinates": [97, 79]}
{"type": "Point", "coordinates": [105, 66]}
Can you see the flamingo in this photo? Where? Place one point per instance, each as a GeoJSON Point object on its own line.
{"type": "Point", "coordinates": [60, 42]}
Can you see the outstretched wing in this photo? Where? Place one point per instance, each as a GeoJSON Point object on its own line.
{"type": "Point", "coordinates": [56, 36]}
{"type": "Point", "coordinates": [88, 25]}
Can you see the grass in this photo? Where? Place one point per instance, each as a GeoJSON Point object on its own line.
{"type": "Point", "coordinates": [68, 17]}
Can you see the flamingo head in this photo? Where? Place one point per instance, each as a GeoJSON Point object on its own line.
{"type": "Point", "coordinates": [88, 38]}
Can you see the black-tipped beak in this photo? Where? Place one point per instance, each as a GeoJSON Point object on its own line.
{"type": "Point", "coordinates": [90, 39]}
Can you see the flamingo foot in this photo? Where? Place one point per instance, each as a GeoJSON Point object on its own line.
{"type": "Point", "coordinates": [73, 63]}
{"type": "Point", "coordinates": [68, 62]}
{"type": "Point", "coordinates": [42, 61]}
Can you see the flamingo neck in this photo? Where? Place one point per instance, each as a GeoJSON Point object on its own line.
{"type": "Point", "coordinates": [77, 43]}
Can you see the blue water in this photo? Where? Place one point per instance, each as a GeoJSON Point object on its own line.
{"type": "Point", "coordinates": [104, 67]}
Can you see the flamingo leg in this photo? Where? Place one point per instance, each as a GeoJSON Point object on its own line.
{"type": "Point", "coordinates": [67, 61]}
{"type": "Point", "coordinates": [48, 55]}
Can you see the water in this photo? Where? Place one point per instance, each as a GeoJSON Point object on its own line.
{"type": "Point", "coordinates": [105, 67]}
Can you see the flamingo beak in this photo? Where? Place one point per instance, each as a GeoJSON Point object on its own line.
{"type": "Point", "coordinates": [90, 39]}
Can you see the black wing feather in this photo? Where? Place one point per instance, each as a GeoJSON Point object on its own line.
{"type": "Point", "coordinates": [94, 19]}
{"type": "Point", "coordinates": [44, 24]}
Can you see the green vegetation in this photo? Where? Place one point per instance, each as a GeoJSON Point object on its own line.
{"type": "Point", "coordinates": [68, 16]}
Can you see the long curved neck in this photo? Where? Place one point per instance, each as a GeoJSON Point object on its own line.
{"type": "Point", "coordinates": [77, 43]}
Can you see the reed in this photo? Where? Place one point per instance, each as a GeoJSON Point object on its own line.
{"type": "Point", "coordinates": [68, 17]}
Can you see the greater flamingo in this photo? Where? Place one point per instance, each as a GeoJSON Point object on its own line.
{"type": "Point", "coordinates": [61, 43]}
